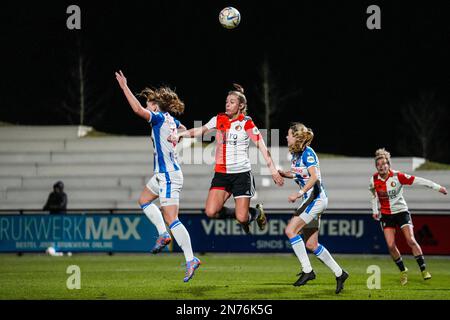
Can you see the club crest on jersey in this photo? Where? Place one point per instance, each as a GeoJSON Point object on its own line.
{"type": "Point", "coordinates": [393, 184]}
{"type": "Point", "coordinates": [238, 128]}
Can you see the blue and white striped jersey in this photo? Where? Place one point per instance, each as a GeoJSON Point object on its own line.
{"type": "Point", "coordinates": [299, 166]}
{"type": "Point", "coordinates": [165, 157]}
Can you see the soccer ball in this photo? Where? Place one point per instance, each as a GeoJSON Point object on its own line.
{"type": "Point", "coordinates": [229, 18]}
{"type": "Point", "coordinates": [50, 251]}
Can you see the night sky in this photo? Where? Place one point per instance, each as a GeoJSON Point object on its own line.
{"type": "Point", "coordinates": [345, 81]}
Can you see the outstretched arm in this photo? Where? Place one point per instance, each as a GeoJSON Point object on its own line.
{"type": "Point", "coordinates": [430, 184]}
{"type": "Point", "coordinates": [132, 100]}
{"type": "Point", "coordinates": [277, 178]}
{"type": "Point", "coordinates": [286, 174]}
{"type": "Point", "coordinates": [193, 132]}
{"type": "Point", "coordinates": [413, 180]}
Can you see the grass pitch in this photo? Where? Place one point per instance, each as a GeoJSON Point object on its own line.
{"type": "Point", "coordinates": [221, 276]}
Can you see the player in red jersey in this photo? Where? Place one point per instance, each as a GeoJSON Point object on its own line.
{"type": "Point", "coordinates": [387, 189]}
{"type": "Point", "coordinates": [233, 176]}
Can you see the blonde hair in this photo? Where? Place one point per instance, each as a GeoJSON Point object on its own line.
{"type": "Point", "coordinates": [165, 98]}
{"type": "Point", "coordinates": [303, 137]}
{"type": "Point", "coordinates": [382, 153]}
{"type": "Point", "coordinates": [239, 92]}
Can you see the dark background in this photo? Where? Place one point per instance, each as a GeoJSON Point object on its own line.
{"type": "Point", "coordinates": [350, 84]}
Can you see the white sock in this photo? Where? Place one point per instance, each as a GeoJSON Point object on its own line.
{"type": "Point", "coordinates": [300, 251]}
{"type": "Point", "coordinates": [154, 214]}
{"type": "Point", "coordinates": [183, 239]}
{"type": "Point", "coordinates": [324, 255]}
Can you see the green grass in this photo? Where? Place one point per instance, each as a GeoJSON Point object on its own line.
{"type": "Point", "coordinates": [221, 276]}
{"type": "Point", "coordinates": [430, 165]}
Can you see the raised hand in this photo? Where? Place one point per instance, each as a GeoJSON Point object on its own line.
{"type": "Point", "coordinates": [121, 79]}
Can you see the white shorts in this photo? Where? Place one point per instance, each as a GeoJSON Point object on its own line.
{"type": "Point", "coordinates": [167, 186]}
{"type": "Point", "coordinates": [311, 212]}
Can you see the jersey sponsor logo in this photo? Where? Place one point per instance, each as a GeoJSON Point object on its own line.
{"type": "Point", "coordinates": [297, 170]}
{"type": "Point", "coordinates": [392, 194]}
{"type": "Point", "coordinates": [255, 131]}
{"type": "Point", "coordinates": [231, 139]}
{"type": "Point", "coordinates": [407, 176]}
{"type": "Point", "coordinates": [231, 136]}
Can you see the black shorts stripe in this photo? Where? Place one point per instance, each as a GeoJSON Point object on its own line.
{"type": "Point", "coordinates": [314, 194]}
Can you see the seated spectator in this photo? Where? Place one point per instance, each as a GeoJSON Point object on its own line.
{"type": "Point", "coordinates": [57, 200]}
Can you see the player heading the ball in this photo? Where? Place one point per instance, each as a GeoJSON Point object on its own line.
{"type": "Point", "coordinates": [233, 176]}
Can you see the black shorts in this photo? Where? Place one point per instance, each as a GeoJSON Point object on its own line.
{"type": "Point", "coordinates": [399, 219]}
{"type": "Point", "coordinates": [241, 185]}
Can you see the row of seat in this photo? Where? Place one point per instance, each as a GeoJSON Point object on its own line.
{"type": "Point", "coordinates": [110, 172]}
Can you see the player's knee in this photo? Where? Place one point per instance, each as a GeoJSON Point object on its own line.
{"type": "Point", "coordinates": [210, 212]}
{"type": "Point", "coordinates": [169, 219]}
{"type": "Point", "coordinates": [242, 218]}
{"type": "Point", "coordinates": [143, 200]}
{"type": "Point", "coordinates": [311, 246]}
{"type": "Point", "coordinates": [412, 242]}
{"type": "Point", "coordinates": [289, 232]}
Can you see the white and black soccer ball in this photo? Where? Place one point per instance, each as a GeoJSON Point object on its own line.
{"type": "Point", "coordinates": [229, 17]}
